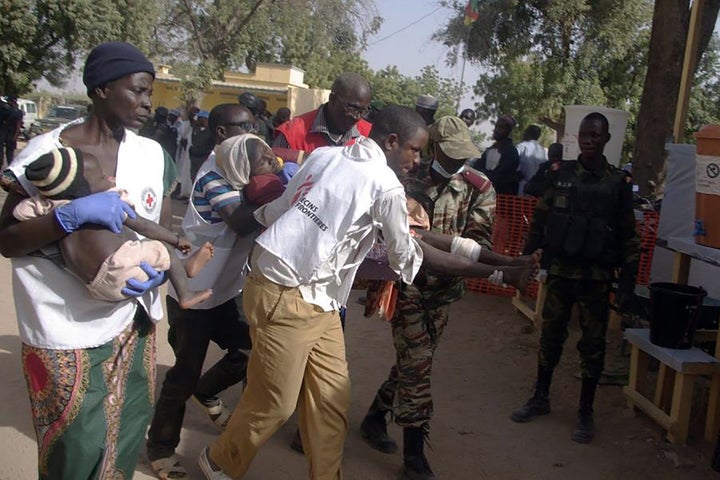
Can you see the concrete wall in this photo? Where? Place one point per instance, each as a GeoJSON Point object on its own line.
{"type": "Point", "coordinates": [278, 85]}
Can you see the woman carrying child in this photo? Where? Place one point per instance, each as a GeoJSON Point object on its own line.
{"type": "Point", "coordinates": [90, 364]}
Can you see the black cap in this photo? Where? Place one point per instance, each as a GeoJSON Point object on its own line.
{"type": "Point", "coordinates": [112, 60]}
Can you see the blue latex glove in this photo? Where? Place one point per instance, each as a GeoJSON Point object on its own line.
{"type": "Point", "coordinates": [286, 173]}
{"type": "Point", "coordinates": [104, 208]}
{"type": "Point", "coordinates": [136, 288]}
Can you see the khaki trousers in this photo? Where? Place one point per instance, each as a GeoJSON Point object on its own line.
{"type": "Point", "coordinates": [297, 359]}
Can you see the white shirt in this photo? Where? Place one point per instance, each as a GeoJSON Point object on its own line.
{"type": "Point", "coordinates": [327, 220]}
{"type": "Point", "coordinates": [54, 308]}
{"type": "Point", "coordinates": [532, 154]}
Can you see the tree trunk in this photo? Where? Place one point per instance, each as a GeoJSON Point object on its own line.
{"type": "Point", "coordinates": [671, 20]}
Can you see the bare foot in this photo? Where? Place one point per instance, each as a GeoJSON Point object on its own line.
{"type": "Point", "coordinates": [532, 259]}
{"type": "Point", "coordinates": [519, 277]}
{"type": "Point", "coordinates": [199, 259]}
{"type": "Point", "coordinates": [193, 298]}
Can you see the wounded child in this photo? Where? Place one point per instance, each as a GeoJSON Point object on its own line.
{"type": "Point", "coordinates": [108, 263]}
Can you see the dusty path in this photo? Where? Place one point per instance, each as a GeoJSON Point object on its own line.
{"type": "Point", "coordinates": [484, 369]}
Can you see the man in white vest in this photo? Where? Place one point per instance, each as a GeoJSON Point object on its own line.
{"type": "Point", "coordinates": [336, 203]}
{"type": "Point", "coordinates": [213, 215]}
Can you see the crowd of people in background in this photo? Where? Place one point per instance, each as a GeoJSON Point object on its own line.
{"type": "Point", "coordinates": [344, 177]}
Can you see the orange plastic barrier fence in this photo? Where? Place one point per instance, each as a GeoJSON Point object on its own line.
{"type": "Point", "coordinates": [513, 216]}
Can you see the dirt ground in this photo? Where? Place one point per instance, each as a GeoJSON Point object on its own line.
{"type": "Point", "coordinates": [484, 368]}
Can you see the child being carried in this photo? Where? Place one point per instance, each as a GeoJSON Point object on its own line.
{"type": "Point", "coordinates": [104, 260]}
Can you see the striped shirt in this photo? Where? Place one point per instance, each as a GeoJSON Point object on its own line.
{"type": "Point", "coordinates": [211, 193]}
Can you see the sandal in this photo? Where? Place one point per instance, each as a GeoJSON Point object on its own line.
{"type": "Point", "coordinates": [218, 414]}
{"type": "Point", "coordinates": [169, 468]}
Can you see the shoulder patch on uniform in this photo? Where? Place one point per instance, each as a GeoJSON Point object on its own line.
{"type": "Point", "coordinates": [477, 179]}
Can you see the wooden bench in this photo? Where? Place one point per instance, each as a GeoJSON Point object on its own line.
{"type": "Point", "coordinates": [670, 406]}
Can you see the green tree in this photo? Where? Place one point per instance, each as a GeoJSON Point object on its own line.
{"type": "Point", "coordinates": [323, 37]}
{"type": "Point", "coordinates": [541, 55]}
{"type": "Point", "coordinates": [45, 38]}
{"type": "Point", "coordinates": [390, 86]}
{"type": "Point", "coordinates": [704, 108]}
{"type": "Point", "coordinates": [671, 19]}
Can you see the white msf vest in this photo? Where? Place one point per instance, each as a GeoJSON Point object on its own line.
{"type": "Point", "coordinates": [332, 190]}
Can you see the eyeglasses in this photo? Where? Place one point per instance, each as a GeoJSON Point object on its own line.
{"type": "Point", "coordinates": [249, 127]}
{"type": "Point", "coordinates": [351, 108]}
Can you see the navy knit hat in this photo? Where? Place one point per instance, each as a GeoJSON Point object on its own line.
{"type": "Point", "coordinates": [112, 60]}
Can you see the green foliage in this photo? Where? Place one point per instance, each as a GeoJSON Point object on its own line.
{"type": "Point", "coordinates": [704, 106]}
{"type": "Point", "coordinates": [44, 38]}
{"type": "Point", "coordinates": [541, 55]}
{"type": "Point", "coordinates": [201, 39]}
{"type": "Point", "coordinates": [390, 86]}
{"type": "Point", "coordinates": [323, 37]}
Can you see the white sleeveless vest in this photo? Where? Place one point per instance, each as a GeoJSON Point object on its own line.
{"type": "Point", "coordinates": [326, 197]}
{"type": "Point", "coordinates": [54, 308]}
{"type": "Point", "coordinates": [227, 270]}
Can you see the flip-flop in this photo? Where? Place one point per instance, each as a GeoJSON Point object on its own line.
{"type": "Point", "coordinates": [169, 468]}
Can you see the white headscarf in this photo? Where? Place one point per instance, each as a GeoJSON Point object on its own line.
{"type": "Point", "coordinates": [231, 158]}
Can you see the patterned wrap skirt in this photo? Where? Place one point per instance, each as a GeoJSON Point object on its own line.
{"type": "Point", "coordinates": [91, 407]}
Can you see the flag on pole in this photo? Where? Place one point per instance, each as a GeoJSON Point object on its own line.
{"type": "Point", "coordinates": [472, 12]}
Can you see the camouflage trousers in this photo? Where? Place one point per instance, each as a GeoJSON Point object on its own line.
{"type": "Point", "coordinates": [416, 327]}
{"type": "Point", "coordinates": [592, 299]}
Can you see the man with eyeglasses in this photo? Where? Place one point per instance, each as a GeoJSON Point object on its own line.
{"type": "Point", "coordinates": [336, 123]}
{"type": "Point", "coordinates": [212, 215]}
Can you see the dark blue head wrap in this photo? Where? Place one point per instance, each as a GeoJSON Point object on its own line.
{"type": "Point", "coordinates": [112, 60]}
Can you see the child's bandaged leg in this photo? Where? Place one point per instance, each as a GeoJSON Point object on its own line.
{"type": "Point", "coordinates": [465, 247]}
{"type": "Point", "coordinates": [124, 264]}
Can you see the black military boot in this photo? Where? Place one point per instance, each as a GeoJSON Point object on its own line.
{"type": "Point", "coordinates": [374, 429]}
{"type": "Point", "coordinates": [415, 465]}
{"type": "Point", "coordinates": [539, 403]}
{"type": "Point", "coordinates": [585, 426]}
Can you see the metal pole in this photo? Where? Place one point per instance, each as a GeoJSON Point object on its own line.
{"type": "Point", "coordinates": [462, 72]}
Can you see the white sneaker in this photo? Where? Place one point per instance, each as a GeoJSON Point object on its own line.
{"type": "Point", "coordinates": [208, 469]}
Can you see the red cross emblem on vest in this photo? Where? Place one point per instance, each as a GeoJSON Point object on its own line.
{"type": "Point", "coordinates": [148, 198]}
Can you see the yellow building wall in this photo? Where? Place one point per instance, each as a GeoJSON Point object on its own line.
{"type": "Point", "coordinates": [279, 85]}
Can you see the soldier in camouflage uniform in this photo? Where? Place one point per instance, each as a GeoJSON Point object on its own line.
{"type": "Point", "coordinates": [585, 224]}
{"type": "Point", "coordinates": [460, 202]}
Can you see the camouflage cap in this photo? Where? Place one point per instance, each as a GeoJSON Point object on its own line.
{"type": "Point", "coordinates": [453, 137]}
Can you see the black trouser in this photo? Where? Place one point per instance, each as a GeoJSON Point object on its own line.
{"type": "Point", "coordinates": [190, 334]}
{"type": "Point", "coordinates": [7, 149]}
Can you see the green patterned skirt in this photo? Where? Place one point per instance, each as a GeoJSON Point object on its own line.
{"type": "Point", "coordinates": [91, 407]}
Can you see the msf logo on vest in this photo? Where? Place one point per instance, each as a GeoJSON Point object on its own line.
{"type": "Point", "coordinates": [305, 206]}
{"type": "Point", "coordinates": [303, 189]}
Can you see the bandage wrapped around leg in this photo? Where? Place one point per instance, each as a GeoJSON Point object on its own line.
{"type": "Point", "coordinates": [465, 247]}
